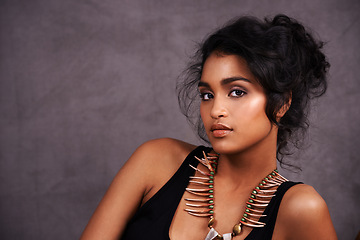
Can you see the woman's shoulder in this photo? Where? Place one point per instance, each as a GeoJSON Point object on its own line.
{"type": "Point", "coordinates": [164, 150]}
{"type": "Point", "coordinates": [157, 161]}
{"type": "Point", "coordinates": [302, 200]}
{"type": "Point", "coordinates": [139, 178]}
{"type": "Point", "coordinates": [305, 194]}
{"type": "Point", "coordinates": [304, 213]}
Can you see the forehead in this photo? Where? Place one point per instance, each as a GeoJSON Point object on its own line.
{"type": "Point", "coordinates": [220, 66]}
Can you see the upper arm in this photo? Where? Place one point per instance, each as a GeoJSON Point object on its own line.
{"type": "Point", "coordinates": [135, 179]}
{"type": "Point", "coordinates": [303, 214]}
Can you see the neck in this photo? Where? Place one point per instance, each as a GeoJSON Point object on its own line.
{"type": "Point", "coordinates": [247, 166]}
{"type": "Point", "coordinates": [244, 171]}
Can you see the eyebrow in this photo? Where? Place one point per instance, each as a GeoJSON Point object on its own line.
{"type": "Point", "coordinates": [225, 81]}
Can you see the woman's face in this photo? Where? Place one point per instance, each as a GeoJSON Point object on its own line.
{"type": "Point", "coordinates": [233, 106]}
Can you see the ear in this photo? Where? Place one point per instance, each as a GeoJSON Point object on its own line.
{"type": "Point", "coordinates": [284, 108]}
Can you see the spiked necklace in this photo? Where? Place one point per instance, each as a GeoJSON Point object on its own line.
{"type": "Point", "coordinates": [202, 205]}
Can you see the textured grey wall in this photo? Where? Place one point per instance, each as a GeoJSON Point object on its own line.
{"type": "Point", "coordinates": [83, 83]}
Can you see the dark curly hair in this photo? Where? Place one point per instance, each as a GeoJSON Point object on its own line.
{"type": "Point", "coordinates": [284, 57]}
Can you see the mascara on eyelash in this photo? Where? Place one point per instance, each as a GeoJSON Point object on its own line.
{"type": "Point", "coordinates": [242, 92]}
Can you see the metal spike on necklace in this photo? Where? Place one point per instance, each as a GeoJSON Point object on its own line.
{"type": "Point", "coordinates": [202, 204]}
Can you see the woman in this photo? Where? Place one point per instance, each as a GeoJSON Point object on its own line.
{"type": "Point", "coordinates": [255, 80]}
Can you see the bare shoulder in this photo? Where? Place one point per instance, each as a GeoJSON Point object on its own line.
{"type": "Point", "coordinates": [158, 160]}
{"type": "Point", "coordinates": [166, 145]}
{"type": "Point", "coordinates": [301, 198]}
{"type": "Point", "coordinates": [166, 151]}
{"type": "Point", "coordinates": [146, 171]}
{"type": "Point", "coordinates": [303, 214]}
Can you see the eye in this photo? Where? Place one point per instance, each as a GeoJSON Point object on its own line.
{"type": "Point", "coordinates": [237, 93]}
{"type": "Point", "coordinates": [206, 96]}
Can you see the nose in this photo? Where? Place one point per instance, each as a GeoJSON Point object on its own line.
{"type": "Point", "coordinates": [218, 109]}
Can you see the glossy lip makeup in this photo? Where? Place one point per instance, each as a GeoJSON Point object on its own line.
{"type": "Point", "coordinates": [220, 130]}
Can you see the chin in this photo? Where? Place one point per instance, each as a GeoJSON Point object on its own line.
{"type": "Point", "coordinates": [222, 146]}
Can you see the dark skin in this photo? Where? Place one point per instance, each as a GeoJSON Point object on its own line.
{"type": "Point", "coordinates": [231, 96]}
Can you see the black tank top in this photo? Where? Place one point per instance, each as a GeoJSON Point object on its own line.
{"type": "Point", "coordinates": [153, 219]}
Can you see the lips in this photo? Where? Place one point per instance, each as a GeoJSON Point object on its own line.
{"type": "Point", "coordinates": [220, 130]}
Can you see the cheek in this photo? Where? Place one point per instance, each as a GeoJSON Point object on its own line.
{"type": "Point", "coordinates": [203, 113]}
{"type": "Point", "coordinates": [257, 108]}
{"type": "Point", "coordinates": [252, 117]}
{"type": "Point", "coordinates": [252, 109]}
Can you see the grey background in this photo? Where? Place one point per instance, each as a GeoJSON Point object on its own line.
{"type": "Point", "coordinates": [83, 83]}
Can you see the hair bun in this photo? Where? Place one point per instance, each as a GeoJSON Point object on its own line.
{"type": "Point", "coordinates": [304, 51]}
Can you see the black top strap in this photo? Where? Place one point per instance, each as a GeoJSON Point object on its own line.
{"type": "Point", "coordinates": [271, 212]}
